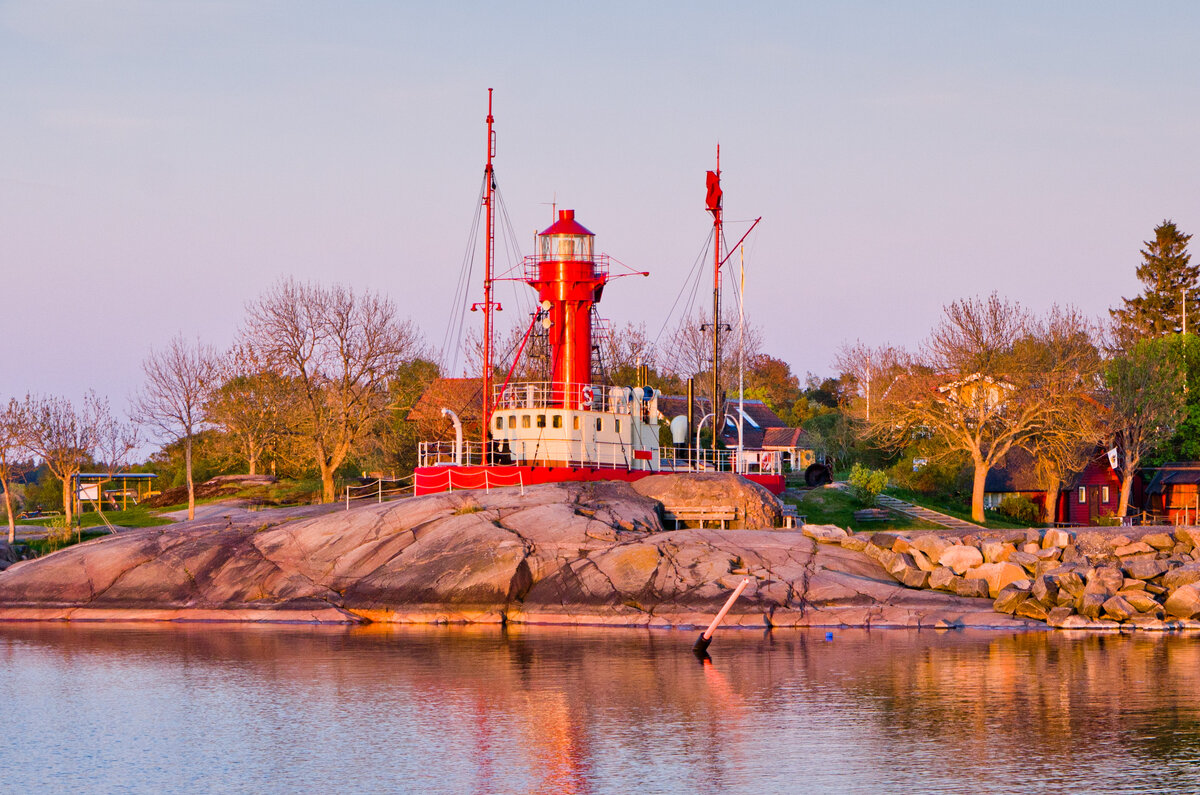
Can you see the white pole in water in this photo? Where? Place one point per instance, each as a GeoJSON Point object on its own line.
{"type": "Point", "coordinates": [705, 638]}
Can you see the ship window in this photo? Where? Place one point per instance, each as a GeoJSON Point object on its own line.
{"type": "Point", "coordinates": [499, 423]}
{"type": "Point", "coordinates": [599, 423]}
{"type": "Point", "coordinates": [541, 420]}
{"type": "Point", "coordinates": [524, 420]}
{"type": "Point", "coordinates": [1082, 494]}
{"type": "Point", "coordinates": [556, 420]}
{"type": "Point", "coordinates": [575, 422]}
{"type": "Point", "coordinates": [512, 420]}
{"type": "Point", "coordinates": [1104, 494]}
{"type": "Point", "coordinates": [618, 425]}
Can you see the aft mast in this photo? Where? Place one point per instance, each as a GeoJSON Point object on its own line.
{"type": "Point", "coordinates": [714, 207]}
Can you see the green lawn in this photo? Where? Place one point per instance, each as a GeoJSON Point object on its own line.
{"type": "Point", "coordinates": [836, 507]}
{"type": "Point", "coordinates": [44, 546]}
{"type": "Point", "coordinates": [995, 521]}
{"type": "Point", "coordinates": [134, 517]}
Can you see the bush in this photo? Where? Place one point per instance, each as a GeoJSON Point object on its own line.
{"type": "Point", "coordinates": [1021, 510]}
{"type": "Point", "coordinates": [866, 484]}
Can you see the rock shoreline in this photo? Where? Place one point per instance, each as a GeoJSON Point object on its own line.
{"type": "Point", "coordinates": [565, 553]}
{"type": "Point", "coordinates": [1096, 578]}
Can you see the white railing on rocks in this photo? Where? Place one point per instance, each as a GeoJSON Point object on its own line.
{"type": "Point", "coordinates": [379, 490]}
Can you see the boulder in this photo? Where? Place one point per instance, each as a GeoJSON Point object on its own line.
{"type": "Point", "coordinates": [960, 557]}
{"type": "Point", "coordinates": [973, 587]}
{"type": "Point", "coordinates": [1045, 590]}
{"type": "Point", "coordinates": [1188, 535]}
{"type": "Point", "coordinates": [884, 540]}
{"type": "Point", "coordinates": [943, 579]}
{"type": "Point", "coordinates": [1049, 553]}
{"type": "Point", "coordinates": [919, 558]}
{"type": "Point", "coordinates": [756, 507]}
{"type": "Point", "coordinates": [1184, 601]}
{"type": "Point", "coordinates": [996, 551]}
{"type": "Point", "coordinates": [1024, 560]}
{"type": "Point", "coordinates": [932, 546]}
{"type": "Point", "coordinates": [1159, 541]}
{"type": "Point", "coordinates": [1136, 548]}
{"type": "Point", "coordinates": [825, 533]}
{"type": "Point", "coordinates": [1069, 582]}
{"type": "Point", "coordinates": [1058, 615]}
{"type": "Point", "coordinates": [1144, 568]}
{"type": "Point", "coordinates": [1089, 605]}
{"type": "Point", "coordinates": [1104, 579]}
{"type": "Point", "coordinates": [1056, 538]}
{"type": "Point", "coordinates": [1118, 609]}
{"type": "Point", "coordinates": [856, 543]}
{"type": "Point", "coordinates": [1181, 575]}
{"type": "Point", "coordinates": [997, 575]}
{"type": "Point", "coordinates": [1010, 598]}
{"type": "Point", "coordinates": [1031, 609]}
{"type": "Point", "coordinates": [1141, 601]}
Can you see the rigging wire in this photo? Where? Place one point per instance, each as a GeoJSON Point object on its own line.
{"type": "Point", "coordinates": [452, 338]}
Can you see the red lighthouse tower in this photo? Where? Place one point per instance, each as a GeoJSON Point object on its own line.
{"type": "Point", "coordinates": [569, 278]}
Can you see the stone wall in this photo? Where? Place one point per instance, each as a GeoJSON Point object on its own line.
{"type": "Point", "coordinates": [1094, 579]}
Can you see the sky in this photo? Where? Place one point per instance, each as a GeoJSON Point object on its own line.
{"type": "Point", "coordinates": [165, 162]}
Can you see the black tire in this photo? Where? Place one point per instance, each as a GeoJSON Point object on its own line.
{"type": "Point", "coordinates": [817, 475]}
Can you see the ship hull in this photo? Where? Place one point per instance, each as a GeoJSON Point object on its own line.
{"type": "Point", "coordinates": [431, 480]}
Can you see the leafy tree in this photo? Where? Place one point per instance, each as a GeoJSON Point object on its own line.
{"type": "Point", "coordinates": [251, 407]}
{"type": "Point", "coordinates": [393, 446]}
{"type": "Point", "coordinates": [339, 349]}
{"type": "Point", "coordinates": [989, 377]}
{"type": "Point", "coordinates": [1168, 278]}
{"type": "Point", "coordinates": [771, 380]}
{"type": "Point", "coordinates": [1145, 395]}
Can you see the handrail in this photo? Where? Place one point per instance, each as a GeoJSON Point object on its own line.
{"type": "Point", "coordinates": [378, 491]}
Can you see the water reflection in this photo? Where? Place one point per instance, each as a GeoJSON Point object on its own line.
{"type": "Point", "coordinates": [582, 710]}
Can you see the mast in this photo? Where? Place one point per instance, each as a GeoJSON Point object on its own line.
{"type": "Point", "coordinates": [489, 201]}
{"type": "Point", "coordinates": [714, 207]}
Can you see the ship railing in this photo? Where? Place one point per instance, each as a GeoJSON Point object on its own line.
{"type": "Point", "coordinates": [533, 262]}
{"type": "Point", "coordinates": [451, 478]}
{"type": "Point", "coordinates": [744, 462]}
{"type": "Point", "coordinates": [548, 395]}
{"type": "Point", "coordinates": [601, 455]}
{"type": "Point", "coordinates": [445, 453]}
{"type": "Point", "coordinates": [378, 490]}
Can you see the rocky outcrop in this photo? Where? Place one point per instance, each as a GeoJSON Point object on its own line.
{"type": "Point", "coordinates": [577, 553]}
{"type": "Point", "coordinates": [756, 507]}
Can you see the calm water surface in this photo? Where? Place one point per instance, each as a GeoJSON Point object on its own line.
{"type": "Point", "coordinates": [205, 708]}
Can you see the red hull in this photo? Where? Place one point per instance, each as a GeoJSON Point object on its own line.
{"type": "Point", "coordinates": [430, 480]}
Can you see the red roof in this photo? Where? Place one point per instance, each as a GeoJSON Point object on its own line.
{"type": "Point", "coordinates": [786, 439]}
{"type": "Point", "coordinates": [567, 225]}
{"type": "Point", "coordinates": [464, 396]}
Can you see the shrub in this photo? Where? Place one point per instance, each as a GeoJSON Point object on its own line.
{"type": "Point", "coordinates": [1020, 509]}
{"type": "Point", "coordinates": [866, 484]}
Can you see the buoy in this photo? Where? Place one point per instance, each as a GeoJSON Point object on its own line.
{"type": "Point", "coordinates": [702, 642]}
{"type": "Point", "coordinates": [828, 636]}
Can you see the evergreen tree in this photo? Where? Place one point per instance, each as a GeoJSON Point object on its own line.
{"type": "Point", "coordinates": [1168, 276]}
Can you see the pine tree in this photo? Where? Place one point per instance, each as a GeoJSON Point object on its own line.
{"type": "Point", "coordinates": [1168, 276]}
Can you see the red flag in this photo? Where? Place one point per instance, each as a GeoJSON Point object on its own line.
{"type": "Point", "coordinates": [714, 191]}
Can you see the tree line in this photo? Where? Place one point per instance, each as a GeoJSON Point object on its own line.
{"type": "Point", "coordinates": [993, 377]}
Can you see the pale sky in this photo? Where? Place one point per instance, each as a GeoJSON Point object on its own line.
{"type": "Point", "coordinates": [164, 162]}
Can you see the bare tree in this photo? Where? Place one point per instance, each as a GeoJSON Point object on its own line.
{"type": "Point", "coordinates": [179, 379]}
{"type": "Point", "coordinates": [65, 437]}
{"type": "Point", "coordinates": [872, 371]}
{"type": "Point", "coordinates": [14, 439]}
{"type": "Point", "coordinates": [1146, 401]}
{"type": "Point", "coordinates": [340, 349]}
{"type": "Point", "coordinates": [989, 377]}
{"type": "Point", "coordinates": [691, 353]}
{"type": "Point", "coordinates": [115, 441]}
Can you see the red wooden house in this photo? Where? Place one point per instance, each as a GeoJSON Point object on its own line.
{"type": "Point", "coordinates": [1083, 500]}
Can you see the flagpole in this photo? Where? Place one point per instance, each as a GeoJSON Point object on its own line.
{"type": "Point", "coordinates": [741, 355]}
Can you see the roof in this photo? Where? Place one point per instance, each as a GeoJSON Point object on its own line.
{"type": "Point", "coordinates": [786, 438]}
{"type": "Point", "coordinates": [463, 396]}
{"type": "Point", "coordinates": [567, 225]}
{"type": "Point", "coordinates": [1172, 474]}
{"type": "Point", "coordinates": [759, 419]}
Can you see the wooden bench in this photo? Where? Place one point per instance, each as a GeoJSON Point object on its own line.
{"type": "Point", "coordinates": [699, 513]}
{"type": "Point", "coordinates": [792, 517]}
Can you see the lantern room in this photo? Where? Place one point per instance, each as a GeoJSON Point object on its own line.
{"type": "Point", "coordinates": [566, 240]}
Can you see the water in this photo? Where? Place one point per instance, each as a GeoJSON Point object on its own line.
{"type": "Point", "coordinates": [204, 708]}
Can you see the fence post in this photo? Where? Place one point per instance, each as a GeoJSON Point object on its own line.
{"type": "Point", "coordinates": [380, 481]}
{"type": "Point", "coordinates": [347, 487]}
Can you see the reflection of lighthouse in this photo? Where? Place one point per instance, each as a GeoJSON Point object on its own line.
{"type": "Point", "coordinates": [569, 280]}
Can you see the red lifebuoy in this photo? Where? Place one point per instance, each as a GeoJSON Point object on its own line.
{"type": "Point", "coordinates": [585, 397]}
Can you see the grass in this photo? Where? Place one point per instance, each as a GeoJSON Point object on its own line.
{"type": "Point", "coordinates": [836, 507]}
{"type": "Point", "coordinates": [139, 516]}
{"type": "Point", "coordinates": [44, 546]}
{"type": "Point", "coordinates": [993, 520]}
